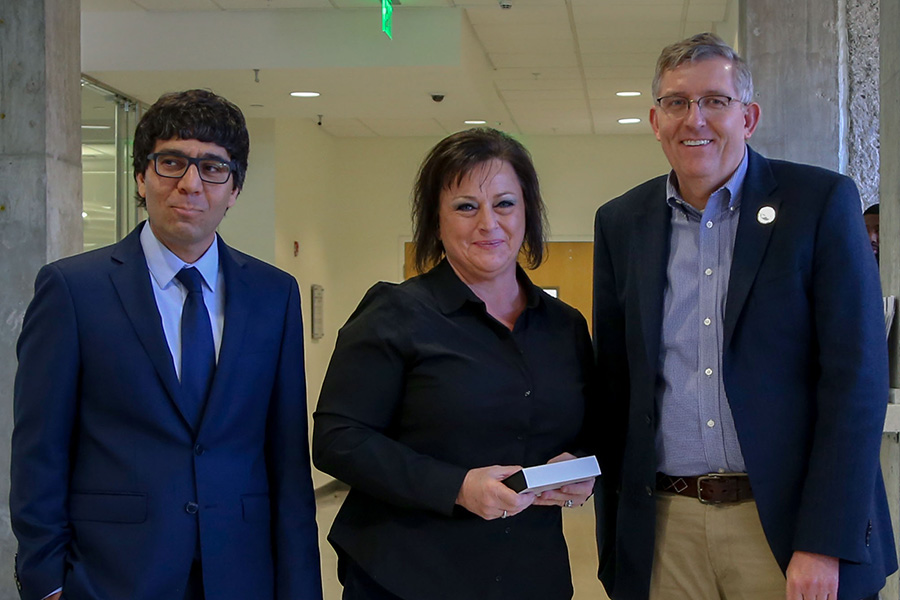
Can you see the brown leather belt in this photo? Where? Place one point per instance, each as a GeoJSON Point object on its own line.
{"type": "Point", "coordinates": [714, 488]}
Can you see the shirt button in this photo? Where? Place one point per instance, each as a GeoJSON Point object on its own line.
{"type": "Point", "coordinates": [708, 372]}
{"type": "Point", "coordinates": [527, 393]}
{"type": "Point", "coordinates": [708, 272]}
{"type": "Point", "coordinates": [199, 449]}
{"type": "Point", "coordinates": [707, 321]}
{"type": "Point", "coordinates": [710, 423]}
{"type": "Point", "coordinates": [498, 578]}
{"type": "Point", "coordinates": [709, 224]}
{"type": "Point", "coordinates": [191, 508]}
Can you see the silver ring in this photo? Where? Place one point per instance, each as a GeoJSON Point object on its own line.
{"type": "Point", "coordinates": [504, 515]}
{"type": "Point", "coordinates": [568, 503]}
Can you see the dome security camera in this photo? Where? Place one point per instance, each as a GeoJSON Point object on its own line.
{"type": "Point", "coordinates": [437, 97]}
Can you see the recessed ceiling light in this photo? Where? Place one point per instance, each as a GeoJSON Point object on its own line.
{"type": "Point", "coordinates": [629, 121]}
{"type": "Point", "coordinates": [627, 94]}
{"type": "Point", "coordinates": [304, 94]}
{"type": "Point", "coordinates": [475, 122]}
{"type": "Point", "coordinates": [96, 127]}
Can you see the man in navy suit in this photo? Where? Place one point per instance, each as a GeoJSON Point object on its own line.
{"type": "Point", "coordinates": [739, 334]}
{"type": "Point", "coordinates": [159, 450]}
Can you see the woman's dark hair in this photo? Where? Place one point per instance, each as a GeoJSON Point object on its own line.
{"type": "Point", "coordinates": [193, 115]}
{"type": "Point", "coordinates": [447, 164]}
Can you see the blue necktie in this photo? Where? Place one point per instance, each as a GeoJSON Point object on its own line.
{"type": "Point", "coordinates": [198, 351]}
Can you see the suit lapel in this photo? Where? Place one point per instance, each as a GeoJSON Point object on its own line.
{"type": "Point", "coordinates": [131, 280]}
{"type": "Point", "coordinates": [237, 310]}
{"type": "Point", "coordinates": [751, 239]}
{"type": "Point", "coordinates": [652, 230]}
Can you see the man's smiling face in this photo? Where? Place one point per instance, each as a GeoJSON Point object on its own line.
{"type": "Point", "coordinates": [703, 151]}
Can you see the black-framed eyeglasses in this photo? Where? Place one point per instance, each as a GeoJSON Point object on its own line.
{"type": "Point", "coordinates": [211, 170]}
{"type": "Point", "coordinates": [679, 106]}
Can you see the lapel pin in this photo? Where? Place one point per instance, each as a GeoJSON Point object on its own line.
{"type": "Point", "coordinates": [766, 215]}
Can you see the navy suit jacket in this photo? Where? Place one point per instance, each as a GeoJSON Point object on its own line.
{"type": "Point", "coordinates": [804, 365]}
{"type": "Point", "coordinates": [111, 489]}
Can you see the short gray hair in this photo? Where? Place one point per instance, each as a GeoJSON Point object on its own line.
{"type": "Point", "coordinates": [704, 46]}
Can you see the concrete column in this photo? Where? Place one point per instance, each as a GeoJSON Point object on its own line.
{"type": "Point", "coordinates": [794, 50]}
{"type": "Point", "coordinates": [40, 183]}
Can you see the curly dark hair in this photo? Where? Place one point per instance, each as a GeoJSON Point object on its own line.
{"type": "Point", "coordinates": [448, 163]}
{"type": "Point", "coordinates": [193, 115]}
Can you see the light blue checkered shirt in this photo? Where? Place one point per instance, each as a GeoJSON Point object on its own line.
{"type": "Point", "coordinates": [696, 432]}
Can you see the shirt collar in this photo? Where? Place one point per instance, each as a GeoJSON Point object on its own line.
{"type": "Point", "coordinates": [163, 264]}
{"type": "Point", "coordinates": [451, 292]}
{"type": "Point", "coordinates": [732, 188]}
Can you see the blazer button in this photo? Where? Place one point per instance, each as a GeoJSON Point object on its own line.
{"type": "Point", "coordinates": [648, 419]}
{"type": "Point", "coordinates": [649, 490]}
{"type": "Point", "coordinates": [199, 449]}
{"type": "Point", "coordinates": [191, 508]}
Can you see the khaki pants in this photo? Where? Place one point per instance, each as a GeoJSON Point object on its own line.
{"type": "Point", "coordinates": [712, 552]}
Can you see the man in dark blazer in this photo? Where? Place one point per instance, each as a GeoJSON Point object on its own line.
{"type": "Point", "coordinates": [740, 339]}
{"type": "Point", "coordinates": [159, 450]}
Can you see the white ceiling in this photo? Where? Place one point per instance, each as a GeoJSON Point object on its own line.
{"type": "Point", "coordinates": [539, 67]}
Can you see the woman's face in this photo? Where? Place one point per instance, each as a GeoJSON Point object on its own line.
{"type": "Point", "coordinates": [482, 222]}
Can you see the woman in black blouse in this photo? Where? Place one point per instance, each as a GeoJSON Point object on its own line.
{"type": "Point", "coordinates": [442, 386]}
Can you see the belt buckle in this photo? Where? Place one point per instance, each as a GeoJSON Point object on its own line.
{"type": "Point", "coordinates": [700, 480]}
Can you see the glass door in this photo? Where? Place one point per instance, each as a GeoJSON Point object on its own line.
{"type": "Point", "coordinates": [108, 120]}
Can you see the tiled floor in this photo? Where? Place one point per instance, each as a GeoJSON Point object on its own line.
{"type": "Point", "coordinates": [577, 522]}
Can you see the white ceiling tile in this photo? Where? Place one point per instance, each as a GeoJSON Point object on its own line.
{"type": "Point", "coordinates": [551, 16]}
{"type": "Point", "coordinates": [177, 5]}
{"type": "Point", "coordinates": [517, 96]}
{"type": "Point", "coordinates": [516, 4]}
{"type": "Point", "coordinates": [405, 127]}
{"type": "Point", "coordinates": [707, 10]}
{"type": "Point", "coordinates": [529, 31]}
{"type": "Point", "coordinates": [536, 61]}
{"type": "Point", "coordinates": [644, 3]}
{"type": "Point", "coordinates": [539, 84]}
{"type": "Point", "coordinates": [636, 15]}
{"type": "Point", "coordinates": [535, 74]}
{"type": "Point", "coordinates": [108, 5]}
{"type": "Point", "coordinates": [271, 4]}
{"type": "Point", "coordinates": [347, 128]}
{"type": "Point", "coordinates": [376, 4]}
{"type": "Point", "coordinates": [554, 124]}
{"type": "Point", "coordinates": [695, 27]}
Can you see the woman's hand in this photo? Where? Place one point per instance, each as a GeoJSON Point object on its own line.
{"type": "Point", "coordinates": [484, 494]}
{"type": "Point", "coordinates": [575, 494]}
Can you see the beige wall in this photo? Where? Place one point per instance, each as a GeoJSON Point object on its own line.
{"type": "Point", "coordinates": [346, 202]}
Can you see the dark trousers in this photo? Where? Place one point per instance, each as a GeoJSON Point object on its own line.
{"type": "Point", "coordinates": [359, 586]}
